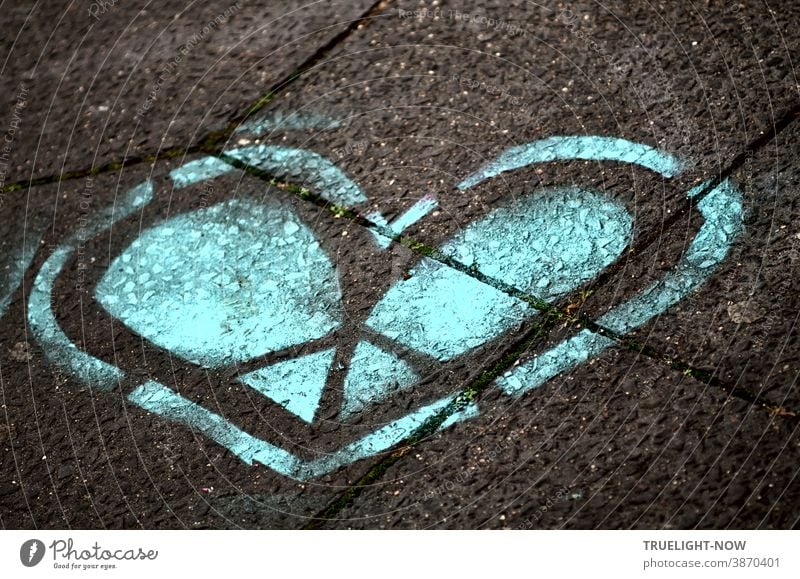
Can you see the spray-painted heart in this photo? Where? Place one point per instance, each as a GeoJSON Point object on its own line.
{"type": "Point", "coordinates": [227, 283]}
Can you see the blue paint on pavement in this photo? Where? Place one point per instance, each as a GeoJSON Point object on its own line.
{"type": "Point", "coordinates": [565, 356]}
{"type": "Point", "coordinates": [373, 376]}
{"type": "Point", "coordinates": [295, 384]}
{"type": "Point", "coordinates": [302, 167]}
{"type": "Point", "coordinates": [589, 148]}
{"type": "Point", "coordinates": [20, 260]}
{"type": "Point", "coordinates": [443, 312]}
{"type": "Point", "coordinates": [546, 244]}
{"type": "Point", "coordinates": [417, 211]}
{"type": "Point", "coordinates": [382, 439]}
{"type": "Point", "coordinates": [199, 170]}
{"type": "Point", "coordinates": [58, 348]}
{"type": "Point", "coordinates": [723, 214]}
{"type": "Point", "coordinates": [468, 413]}
{"type": "Point", "coordinates": [160, 400]}
{"type": "Point", "coordinates": [225, 283]}
{"type": "Point", "coordinates": [291, 122]}
{"type": "Point", "coordinates": [164, 402]}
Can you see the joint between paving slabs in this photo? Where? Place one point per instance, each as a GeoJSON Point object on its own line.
{"type": "Point", "coordinates": [561, 311]}
{"type": "Point", "coordinates": [309, 63]}
{"type": "Point", "coordinates": [214, 141]}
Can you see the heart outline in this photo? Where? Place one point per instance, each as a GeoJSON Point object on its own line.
{"type": "Point", "coordinates": [720, 206]}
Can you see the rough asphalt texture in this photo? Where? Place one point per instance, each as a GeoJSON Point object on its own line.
{"type": "Point", "coordinates": [691, 421]}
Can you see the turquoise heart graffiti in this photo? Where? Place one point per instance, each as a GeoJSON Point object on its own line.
{"type": "Point", "coordinates": [228, 283]}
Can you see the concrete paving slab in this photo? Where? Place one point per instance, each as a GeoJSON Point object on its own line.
{"type": "Point", "coordinates": [449, 88]}
{"type": "Point", "coordinates": [618, 443]}
{"type": "Point", "coordinates": [103, 81]}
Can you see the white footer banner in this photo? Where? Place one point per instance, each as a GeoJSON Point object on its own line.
{"type": "Point", "coordinates": [390, 554]}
